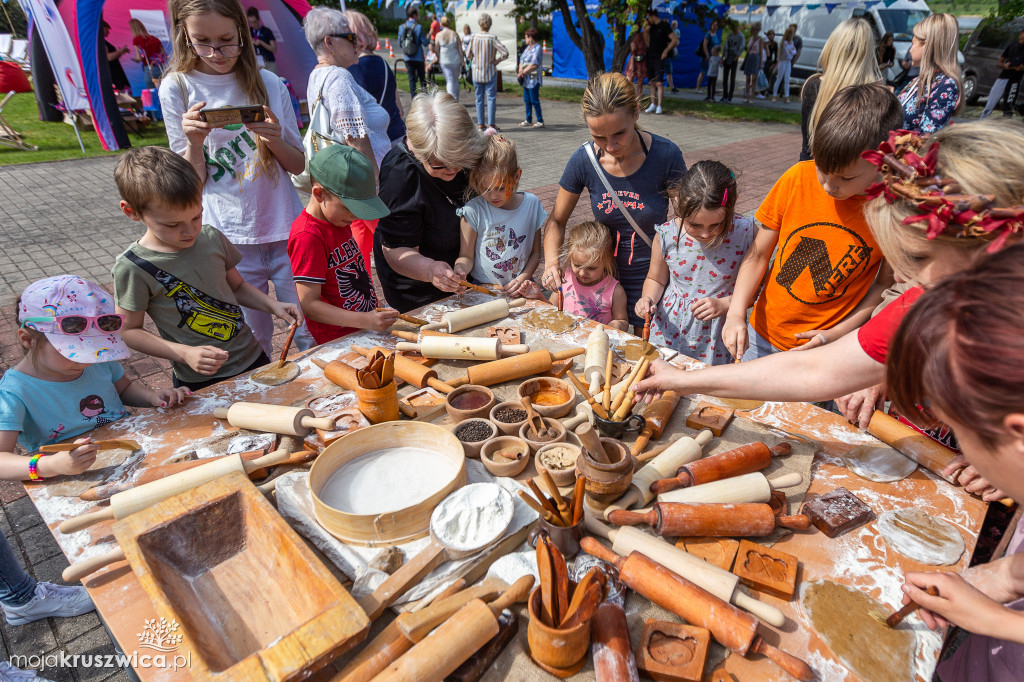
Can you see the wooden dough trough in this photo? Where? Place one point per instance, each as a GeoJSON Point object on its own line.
{"type": "Point", "coordinates": [253, 601]}
{"type": "Point", "coordinates": [393, 527]}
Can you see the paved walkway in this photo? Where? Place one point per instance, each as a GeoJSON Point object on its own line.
{"type": "Point", "coordinates": [64, 217]}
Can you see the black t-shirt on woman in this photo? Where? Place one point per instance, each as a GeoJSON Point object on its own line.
{"type": "Point", "coordinates": [422, 216]}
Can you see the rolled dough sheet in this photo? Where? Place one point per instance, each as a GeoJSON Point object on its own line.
{"type": "Point", "coordinates": [632, 350]}
{"type": "Point", "coordinates": [882, 465]}
{"type": "Point", "coordinates": [853, 625]}
{"type": "Point", "coordinates": [275, 374]}
{"type": "Point", "coordinates": [550, 319]}
{"type": "Point", "coordinates": [918, 536]}
{"type": "Point", "coordinates": [104, 469]}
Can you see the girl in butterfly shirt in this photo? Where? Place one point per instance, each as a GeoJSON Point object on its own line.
{"type": "Point", "coordinates": [501, 227]}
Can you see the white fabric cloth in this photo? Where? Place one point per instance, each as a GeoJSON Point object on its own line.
{"type": "Point", "coordinates": [354, 112]}
{"type": "Point", "coordinates": [504, 238]}
{"type": "Point", "coordinates": [248, 205]}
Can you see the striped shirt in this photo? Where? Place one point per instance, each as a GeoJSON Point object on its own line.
{"type": "Point", "coordinates": [484, 50]}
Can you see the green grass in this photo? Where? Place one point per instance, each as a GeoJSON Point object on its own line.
{"type": "Point", "coordinates": [964, 7]}
{"type": "Point", "coordinates": [57, 141]}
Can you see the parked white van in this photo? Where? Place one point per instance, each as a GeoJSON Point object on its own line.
{"type": "Point", "coordinates": [814, 26]}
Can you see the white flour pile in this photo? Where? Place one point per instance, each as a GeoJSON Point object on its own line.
{"type": "Point", "coordinates": [472, 516]}
{"type": "Point", "coordinates": [388, 480]}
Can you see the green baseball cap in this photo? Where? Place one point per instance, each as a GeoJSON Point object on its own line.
{"type": "Point", "coordinates": [347, 174]}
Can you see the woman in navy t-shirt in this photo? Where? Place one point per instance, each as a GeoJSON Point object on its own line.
{"type": "Point", "coordinates": [638, 165]}
{"type": "Point", "coordinates": [374, 75]}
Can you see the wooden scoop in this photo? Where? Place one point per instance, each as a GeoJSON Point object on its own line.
{"type": "Point", "coordinates": [591, 400]}
{"type": "Point", "coordinates": [536, 422]}
{"type": "Point", "coordinates": [430, 557]}
{"type": "Point", "coordinates": [103, 445]}
{"type": "Point", "coordinates": [673, 519]}
{"type": "Point", "coordinates": [736, 462]}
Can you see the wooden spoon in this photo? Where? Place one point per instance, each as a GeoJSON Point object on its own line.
{"type": "Point", "coordinates": [561, 574]}
{"type": "Point", "coordinates": [584, 609]}
{"type": "Point", "coordinates": [547, 591]}
{"type": "Point", "coordinates": [537, 427]}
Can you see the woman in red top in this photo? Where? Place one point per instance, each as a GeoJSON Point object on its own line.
{"type": "Point", "coordinates": [984, 158]}
{"type": "Point", "coordinates": [149, 51]}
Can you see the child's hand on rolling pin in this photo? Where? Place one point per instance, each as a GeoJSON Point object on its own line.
{"type": "Point", "coordinates": [204, 359]}
{"type": "Point", "coordinates": [444, 278]}
{"type": "Point", "coordinates": [381, 320]}
{"type": "Point", "coordinates": [710, 307]}
{"type": "Point", "coordinates": [644, 307]}
{"type": "Point", "coordinates": [660, 377]}
{"type": "Point", "coordinates": [195, 128]}
{"type": "Point", "coordinates": [169, 397]}
{"type": "Point", "coordinates": [734, 336]}
{"type": "Point", "coordinates": [289, 312]}
{"type": "Point", "coordinates": [959, 603]}
{"type": "Point", "coordinates": [515, 287]}
{"type": "Point", "coordinates": [69, 462]}
{"type": "Point", "coordinates": [973, 482]}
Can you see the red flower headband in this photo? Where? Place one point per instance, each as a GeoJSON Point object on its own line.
{"type": "Point", "coordinates": [908, 176]}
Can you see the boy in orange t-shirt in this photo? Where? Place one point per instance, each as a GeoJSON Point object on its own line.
{"type": "Point", "coordinates": [823, 279]}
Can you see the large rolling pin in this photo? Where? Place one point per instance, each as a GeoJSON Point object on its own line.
{"type": "Point", "coordinates": [507, 369]}
{"type": "Point", "coordinates": [612, 651]}
{"type": "Point", "coordinates": [731, 627]}
{"type": "Point", "coordinates": [410, 371]}
{"type": "Point", "coordinates": [457, 320]}
{"type": "Point", "coordinates": [674, 519]}
{"type": "Point", "coordinates": [682, 451]}
{"type": "Point", "coordinates": [461, 636]}
{"type": "Point", "coordinates": [656, 416]}
{"type": "Point", "coordinates": [597, 358]}
{"type": "Point", "coordinates": [291, 421]}
{"type": "Point", "coordinates": [462, 348]}
{"type": "Point", "coordinates": [736, 462]}
{"type": "Point", "coordinates": [130, 501]}
{"type": "Point", "coordinates": [717, 581]}
{"type": "Point", "coordinates": [753, 487]}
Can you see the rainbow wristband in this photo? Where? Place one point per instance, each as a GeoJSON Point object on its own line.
{"type": "Point", "coordinates": [33, 467]}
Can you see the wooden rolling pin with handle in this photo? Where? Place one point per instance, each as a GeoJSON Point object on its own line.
{"type": "Point", "coordinates": [447, 647]}
{"type": "Point", "coordinates": [462, 348]}
{"type": "Point", "coordinates": [673, 519]}
{"type": "Point", "coordinates": [731, 627]}
{"type": "Point", "coordinates": [291, 421]}
{"type": "Point", "coordinates": [656, 416]}
{"type": "Point", "coordinates": [130, 501]}
{"type": "Point", "coordinates": [457, 320]}
{"type": "Point", "coordinates": [736, 462]}
{"type": "Point", "coordinates": [517, 367]}
{"type": "Point", "coordinates": [753, 487]}
{"type": "Point", "coordinates": [597, 358]}
{"type": "Point", "coordinates": [717, 581]}
{"type": "Point", "coordinates": [410, 371]}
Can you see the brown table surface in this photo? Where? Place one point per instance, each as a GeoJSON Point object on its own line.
{"type": "Point", "coordinates": [849, 560]}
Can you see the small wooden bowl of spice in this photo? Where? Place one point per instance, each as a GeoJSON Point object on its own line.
{"type": "Point", "coordinates": [555, 433]}
{"type": "Point", "coordinates": [468, 402]}
{"type": "Point", "coordinates": [508, 416]}
{"type": "Point", "coordinates": [559, 459]}
{"type": "Point", "coordinates": [550, 397]}
{"type": "Point", "coordinates": [473, 433]}
{"type": "Point", "coordinates": [505, 455]}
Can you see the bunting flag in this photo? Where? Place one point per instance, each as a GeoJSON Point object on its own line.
{"type": "Point", "coordinates": [771, 10]}
{"type": "Point", "coordinates": [814, 7]}
{"type": "Point", "coordinates": [794, 9]}
{"type": "Point", "coordinates": [869, 5]}
{"type": "Point", "coordinates": [890, 3]}
{"type": "Point", "coordinates": [831, 6]}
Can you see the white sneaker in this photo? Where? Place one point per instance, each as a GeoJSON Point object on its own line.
{"type": "Point", "coordinates": [50, 601]}
{"type": "Point", "coordinates": [658, 110]}
{"type": "Point", "coordinates": [760, 96]}
{"type": "Point", "coordinates": [538, 124]}
{"type": "Point", "coordinates": [8, 673]}
{"type": "Point", "coordinates": [650, 109]}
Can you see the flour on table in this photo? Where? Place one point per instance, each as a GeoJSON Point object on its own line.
{"type": "Point", "coordinates": [472, 517]}
{"type": "Point", "coordinates": [921, 537]}
{"type": "Point", "coordinates": [387, 480]}
{"type": "Point", "coordinates": [512, 567]}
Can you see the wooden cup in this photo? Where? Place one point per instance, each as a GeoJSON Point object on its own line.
{"type": "Point", "coordinates": [566, 538]}
{"type": "Point", "coordinates": [379, 404]}
{"type": "Point", "coordinates": [560, 652]}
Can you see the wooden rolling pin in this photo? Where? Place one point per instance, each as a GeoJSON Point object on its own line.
{"type": "Point", "coordinates": [410, 371]}
{"type": "Point", "coordinates": [507, 369]}
{"type": "Point", "coordinates": [674, 519]}
{"type": "Point", "coordinates": [612, 651]}
{"type": "Point", "coordinates": [291, 421]}
{"type": "Point", "coordinates": [457, 320]}
{"type": "Point", "coordinates": [462, 635]}
{"type": "Point", "coordinates": [477, 665]}
{"type": "Point", "coordinates": [463, 348]}
{"type": "Point", "coordinates": [597, 358]}
{"type": "Point", "coordinates": [731, 627]}
{"type": "Point", "coordinates": [338, 372]}
{"type": "Point", "coordinates": [101, 446]}
{"type": "Point", "coordinates": [416, 336]}
{"type": "Point", "coordinates": [130, 501]}
{"type": "Point", "coordinates": [656, 416]}
{"type": "Point", "coordinates": [717, 581]}
{"type": "Point", "coordinates": [680, 452]}
{"type": "Point", "coordinates": [735, 462]}
{"type": "Point", "coordinates": [753, 487]}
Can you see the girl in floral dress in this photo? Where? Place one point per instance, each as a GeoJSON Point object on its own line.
{"type": "Point", "coordinates": [930, 100]}
{"type": "Point", "coordinates": [693, 265]}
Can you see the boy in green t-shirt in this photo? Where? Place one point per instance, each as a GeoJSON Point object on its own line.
{"type": "Point", "coordinates": [183, 274]}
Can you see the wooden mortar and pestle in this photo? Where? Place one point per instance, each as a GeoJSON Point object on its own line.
{"type": "Point", "coordinates": [735, 462]}
{"type": "Point", "coordinates": [674, 519]}
{"type": "Point", "coordinates": [606, 465]}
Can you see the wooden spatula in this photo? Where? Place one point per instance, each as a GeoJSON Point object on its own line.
{"type": "Point", "coordinates": [547, 587]}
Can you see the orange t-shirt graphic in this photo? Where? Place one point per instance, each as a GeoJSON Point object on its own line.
{"type": "Point", "coordinates": [825, 261]}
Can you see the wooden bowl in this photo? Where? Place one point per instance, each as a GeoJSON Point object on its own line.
{"type": "Point", "coordinates": [560, 652]}
{"type": "Point", "coordinates": [458, 414]}
{"type": "Point", "coordinates": [607, 482]}
{"type": "Point", "coordinates": [472, 449]}
{"type": "Point", "coordinates": [507, 428]}
{"type": "Point", "coordinates": [535, 445]}
{"type": "Point", "coordinates": [389, 527]}
{"type": "Point", "coordinates": [549, 386]}
{"type": "Point", "coordinates": [561, 477]}
{"type": "Point", "coordinates": [499, 466]}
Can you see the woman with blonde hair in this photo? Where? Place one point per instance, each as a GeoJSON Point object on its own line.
{"type": "Point", "coordinates": [423, 182]}
{"type": "Point", "coordinates": [620, 158]}
{"type": "Point", "coordinates": [848, 58]}
{"type": "Point", "coordinates": [754, 61]}
{"type": "Point", "coordinates": [149, 51]}
{"type": "Point", "coordinates": [450, 56]}
{"type": "Point", "coordinates": [930, 100]}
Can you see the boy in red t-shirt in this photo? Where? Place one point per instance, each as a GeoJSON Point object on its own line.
{"type": "Point", "coordinates": [823, 279]}
{"type": "Point", "coordinates": [335, 290]}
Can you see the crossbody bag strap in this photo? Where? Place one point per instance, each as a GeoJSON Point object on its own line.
{"type": "Point", "coordinates": [614, 195]}
{"type": "Point", "coordinates": [380, 100]}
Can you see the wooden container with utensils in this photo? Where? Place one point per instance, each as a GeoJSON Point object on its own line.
{"type": "Point", "coordinates": [560, 652]}
{"type": "Point", "coordinates": [379, 405]}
